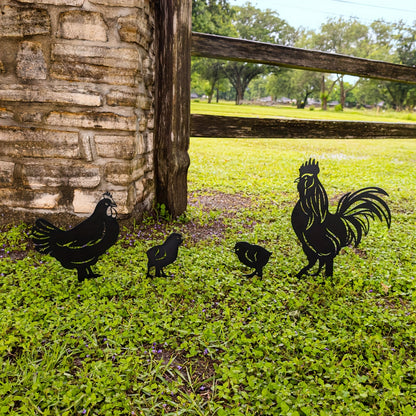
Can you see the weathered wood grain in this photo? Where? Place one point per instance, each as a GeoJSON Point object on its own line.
{"type": "Point", "coordinates": [241, 127]}
{"type": "Point", "coordinates": [172, 105]}
{"type": "Point", "coordinates": [221, 47]}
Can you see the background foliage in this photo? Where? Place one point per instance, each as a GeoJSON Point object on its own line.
{"type": "Point", "coordinates": [390, 42]}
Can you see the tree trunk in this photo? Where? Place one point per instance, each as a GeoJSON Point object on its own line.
{"type": "Point", "coordinates": [324, 94]}
{"type": "Point", "coordinates": [172, 108]}
{"type": "Point", "coordinates": [342, 91]}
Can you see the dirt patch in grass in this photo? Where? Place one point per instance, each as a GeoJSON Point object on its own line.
{"type": "Point", "coordinates": [219, 201]}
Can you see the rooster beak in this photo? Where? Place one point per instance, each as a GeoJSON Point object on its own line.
{"type": "Point", "coordinates": [297, 180]}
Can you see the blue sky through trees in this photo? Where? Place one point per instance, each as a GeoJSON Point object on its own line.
{"type": "Point", "coordinates": [311, 15]}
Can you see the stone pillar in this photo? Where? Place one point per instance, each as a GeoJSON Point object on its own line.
{"type": "Point", "coordinates": [76, 104]}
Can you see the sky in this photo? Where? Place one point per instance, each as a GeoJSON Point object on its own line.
{"type": "Point", "coordinates": [311, 14]}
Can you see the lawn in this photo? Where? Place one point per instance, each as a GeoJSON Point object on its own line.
{"type": "Point", "coordinates": [230, 109]}
{"type": "Point", "coordinates": [206, 340]}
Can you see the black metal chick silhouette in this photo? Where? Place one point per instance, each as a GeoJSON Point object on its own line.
{"type": "Point", "coordinates": [80, 247]}
{"type": "Point", "coordinates": [163, 255]}
{"type": "Point", "coordinates": [253, 256]}
{"type": "Point", "coordinates": [323, 234]}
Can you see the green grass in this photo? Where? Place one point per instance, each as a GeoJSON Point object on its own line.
{"type": "Point", "coordinates": [230, 109]}
{"type": "Point", "coordinates": [206, 340]}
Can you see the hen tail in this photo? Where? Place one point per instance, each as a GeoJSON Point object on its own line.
{"type": "Point", "coordinates": [42, 235]}
{"type": "Point", "coordinates": [357, 208]}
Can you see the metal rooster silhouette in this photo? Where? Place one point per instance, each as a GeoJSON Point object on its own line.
{"type": "Point", "coordinates": [163, 255]}
{"type": "Point", "coordinates": [80, 247]}
{"type": "Point", "coordinates": [252, 255]}
{"type": "Point", "coordinates": [323, 234]}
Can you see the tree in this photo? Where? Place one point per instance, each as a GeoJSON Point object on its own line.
{"type": "Point", "coordinates": [211, 16]}
{"type": "Point", "coordinates": [295, 83]}
{"type": "Point", "coordinates": [403, 95]}
{"type": "Point", "coordinates": [348, 37]}
{"type": "Point", "coordinates": [254, 24]}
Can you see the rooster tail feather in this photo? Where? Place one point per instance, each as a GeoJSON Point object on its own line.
{"type": "Point", "coordinates": [41, 235]}
{"type": "Point", "coordinates": [357, 208]}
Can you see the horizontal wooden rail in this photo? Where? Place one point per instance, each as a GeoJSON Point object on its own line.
{"type": "Point", "coordinates": [221, 47]}
{"type": "Point", "coordinates": [240, 127]}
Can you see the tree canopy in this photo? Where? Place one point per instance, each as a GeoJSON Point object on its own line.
{"type": "Point", "coordinates": [391, 42]}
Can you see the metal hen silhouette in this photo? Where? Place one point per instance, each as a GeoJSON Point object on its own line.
{"type": "Point", "coordinates": [323, 234]}
{"type": "Point", "coordinates": [80, 247]}
{"type": "Point", "coordinates": [253, 256]}
{"type": "Point", "coordinates": [163, 255]}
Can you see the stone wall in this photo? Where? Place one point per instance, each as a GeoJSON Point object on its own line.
{"type": "Point", "coordinates": [76, 104]}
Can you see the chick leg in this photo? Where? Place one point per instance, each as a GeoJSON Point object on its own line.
{"type": "Point", "coordinates": [91, 274]}
{"type": "Point", "coordinates": [82, 274]}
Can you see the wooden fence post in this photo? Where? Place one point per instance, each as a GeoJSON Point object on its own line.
{"type": "Point", "coordinates": [172, 106]}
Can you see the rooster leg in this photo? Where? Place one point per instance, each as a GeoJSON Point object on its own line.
{"type": "Point", "coordinates": [329, 267]}
{"type": "Point", "coordinates": [311, 263]}
{"type": "Point", "coordinates": [321, 263]}
{"type": "Point", "coordinates": [251, 274]}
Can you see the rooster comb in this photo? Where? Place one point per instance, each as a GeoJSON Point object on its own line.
{"type": "Point", "coordinates": [311, 166]}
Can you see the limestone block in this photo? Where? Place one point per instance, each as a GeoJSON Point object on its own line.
{"type": "Point", "coordinates": [80, 72]}
{"type": "Point", "coordinates": [30, 116]}
{"type": "Point", "coordinates": [5, 113]}
{"type": "Point", "coordinates": [20, 22]}
{"type": "Point", "coordinates": [127, 58]}
{"type": "Point", "coordinates": [143, 102]}
{"type": "Point", "coordinates": [26, 142]}
{"type": "Point", "coordinates": [75, 175]}
{"type": "Point", "coordinates": [78, 24]}
{"type": "Point", "coordinates": [124, 173]}
{"type": "Point", "coordinates": [42, 94]}
{"type": "Point", "coordinates": [120, 3]}
{"type": "Point", "coordinates": [121, 98]}
{"type": "Point", "coordinates": [117, 147]}
{"type": "Point", "coordinates": [85, 140]}
{"type": "Point", "coordinates": [6, 173]}
{"type": "Point", "coordinates": [75, 3]}
{"type": "Point", "coordinates": [85, 201]}
{"type": "Point", "coordinates": [92, 120]}
{"type": "Point", "coordinates": [135, 28]}
{"type": "Point", "coordinates": [31, 62]}
{"type": "Point", "coordinates": [29, 199]}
